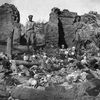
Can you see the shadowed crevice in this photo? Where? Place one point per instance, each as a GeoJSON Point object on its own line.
{"type": "Point", "coordinates": [61, 35]}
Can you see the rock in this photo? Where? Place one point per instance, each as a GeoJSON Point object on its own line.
{"type": "Point", "coordinates": [66, 85]}
{"type": "Point", "coordinates": [3, 91]}
{"type": "Point", "coordinates": [27, 93]}
{"type": "Point", "coordinates": [84, 61]}
{"type": "Point", "coordinates": [57, 79]}
{"type": "Point", "coordinates": [13, 67]}
{"type": "Point", "coordinates": [83, 76]}
{"type": "Point", "coordinates": [40, 88]}
{"type": "Point", "coordinates": [93, 84]}
{"type": "Point", "coordinates": [32, 82]}
{"type": "Point", "coordinates": [73, 76]}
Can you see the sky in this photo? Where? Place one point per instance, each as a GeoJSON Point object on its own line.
{"type": "Point", "coordinates": [40, 9]}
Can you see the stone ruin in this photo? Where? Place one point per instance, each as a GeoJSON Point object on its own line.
{"type": "Point", "coordinates": [59, 29]}
{"type": "Point", "coordinates": [9, 22]}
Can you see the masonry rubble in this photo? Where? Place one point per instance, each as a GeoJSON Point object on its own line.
{"type": "Point", "coordinates": [52, 72]}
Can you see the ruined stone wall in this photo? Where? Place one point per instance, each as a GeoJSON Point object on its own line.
{"type": "Point", "coordinates": [9, 21]}
{"type": "Point", "coordinates": [51, 30]}
{"type": "Point", "coordinates": [66, 18]}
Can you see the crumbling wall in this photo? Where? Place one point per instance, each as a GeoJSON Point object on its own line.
{"type": "Point", "coordinates": [90, 30]}
{"type": "Point", "coordinates": [51, 30]}
{"type": "Point", "coordinates": [65, 18]}
{"type": "Point", "coordinates": [62, 28]}
{"type": "Point", "coordinates": [9, 22]}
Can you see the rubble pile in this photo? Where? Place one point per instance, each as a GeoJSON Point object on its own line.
{"type": "Point", "coordinates": [46, 76]}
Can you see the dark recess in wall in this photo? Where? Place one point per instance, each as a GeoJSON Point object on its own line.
{"type": "Point", "coordinates": [61, 35]}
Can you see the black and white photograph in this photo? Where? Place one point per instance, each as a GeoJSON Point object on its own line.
{"type": "Point", "coordinates": [49, 49]}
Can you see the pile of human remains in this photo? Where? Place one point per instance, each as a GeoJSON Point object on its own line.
{"type": "Point", "coordinates": [64, 75]}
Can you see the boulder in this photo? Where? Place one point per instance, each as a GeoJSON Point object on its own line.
{"type": "Point", "coordinates": [51, 93]}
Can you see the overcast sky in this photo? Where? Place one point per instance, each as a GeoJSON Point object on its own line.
{"type": "Point", "coordinates": [40, 9]}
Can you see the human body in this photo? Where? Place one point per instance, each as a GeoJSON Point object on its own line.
{"type": "Point", "coordinates": [30, 34]}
